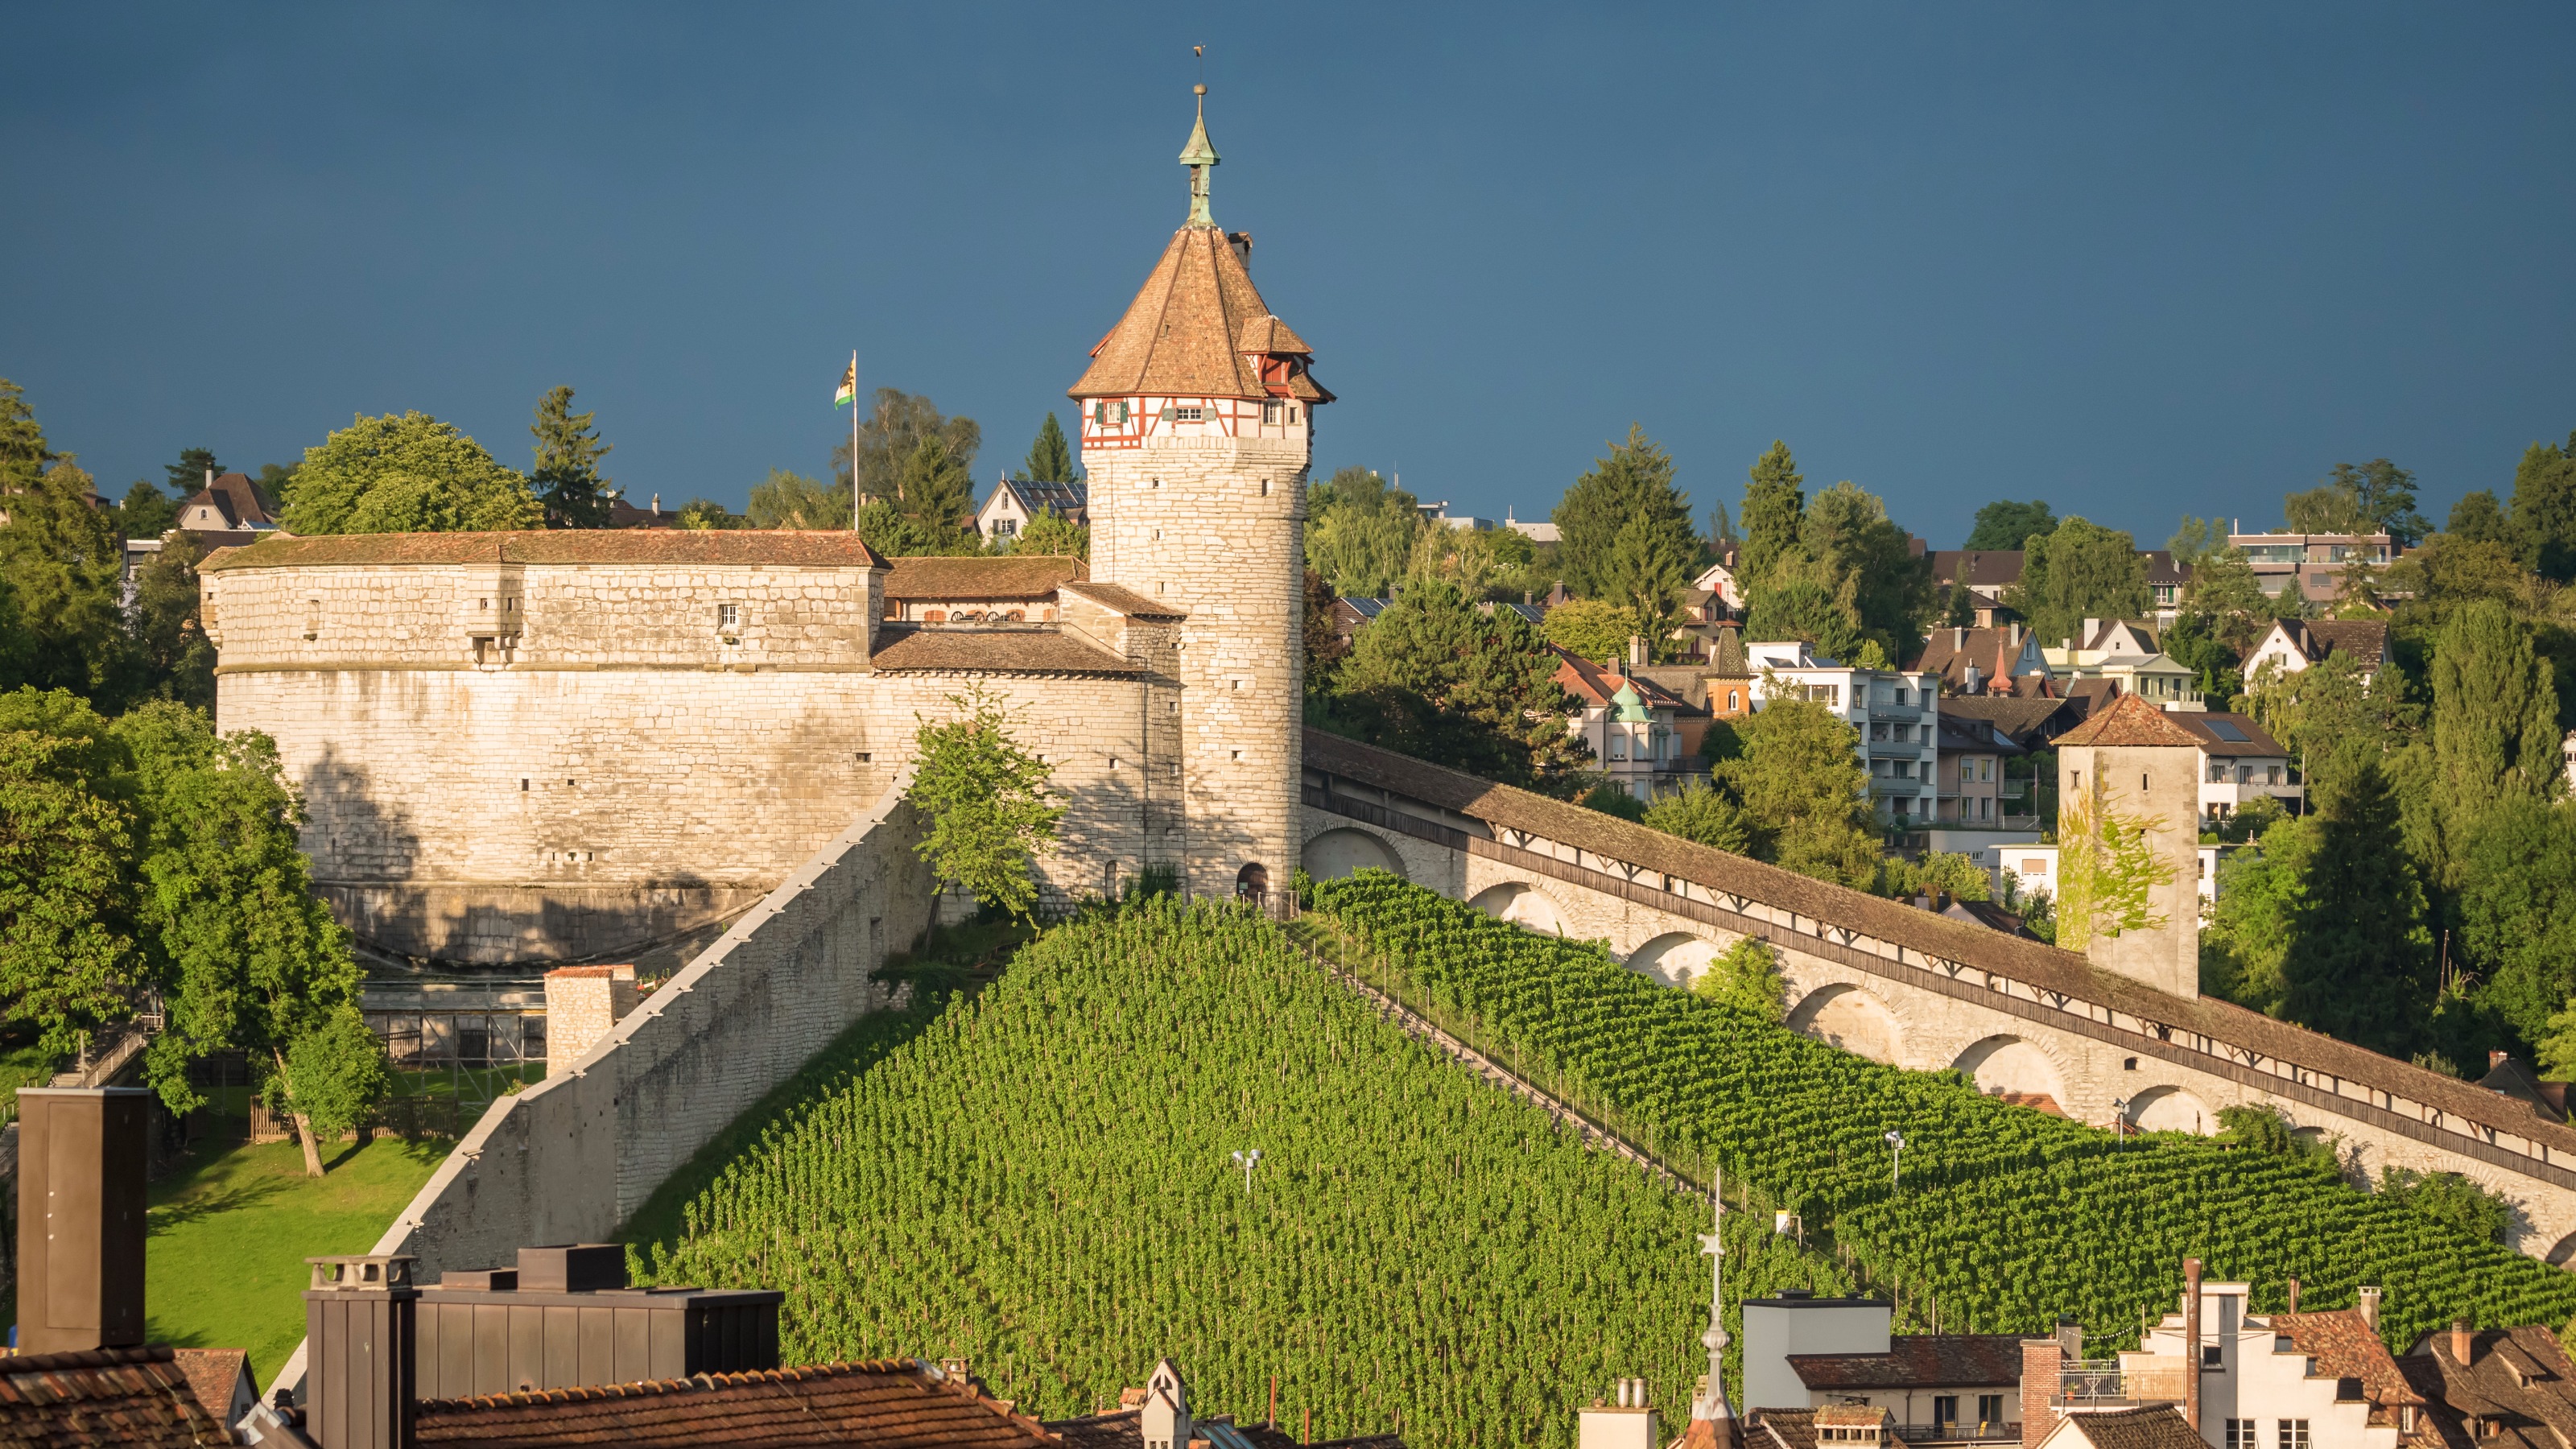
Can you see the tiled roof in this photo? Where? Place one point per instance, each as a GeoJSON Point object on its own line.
{"type": "Point", "coordinates": [2213, 739]}
{"type": "Point", "coordinates": [1010, 576]}
{"type": "Point", "coordinates": [118, 1396]}
{"type": "Point", "coordinates": [217, 1376]}
{"type": "Point", "coordinates": [1782, 1429]}
{"type": "Point", "coordinates": [1595, 685]}
{"type": "Point", "coordinates": [2131, 721]}
{"type": "Point", "coordinates": [2344, 1346]}
{"type": "Point", "coordinates": [2541, 1412]}
{"type": "Point", "coordinates": [1185, 332]}
{"type": "Point", "coordinates": [1124, 600]}
{"type": "Point", "coordinates": [2037, 964]}
{"type": "Point", "coordinates": [1119, 1429]}
{"type": "Point", "coordinates": [2026, 722]}
{"type": "Point", "coordinates": [2160, 1427]}
{"type": "Point", "coordinates": [1992, 567]}
{"type": "Point", "coordinates": [884, 1404]}
{"type": "Point", "coordinates": [1850, 1416]}
{"type": "Point", "coordinates": [2162, 569]}
{"type": "Point", "coordinates": [1968, 732]}
{"type": "Point", "coordinates": [1021, 650]}
{"type": "Point", "coordinates": [237, 498]}
{"type": "Point", "coordinates": [2366, 640]}
{"type": "Point", "coordinates": [1948, 652]}
{"type": "Point", "coordinates": [786, 547]}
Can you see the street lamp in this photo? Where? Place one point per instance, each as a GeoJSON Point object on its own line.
{"type": "Point", "coordinates": [2119, 1119]}
{"type": "Point", "coordinates": [1896, 1158]}
{"type": "Point", "coordinates": [1246, 1161]}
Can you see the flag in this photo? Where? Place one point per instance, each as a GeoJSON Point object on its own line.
{"type": "Point", "coordinates": [849, 383]}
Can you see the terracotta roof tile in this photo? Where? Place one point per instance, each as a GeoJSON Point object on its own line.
{"type": "Point", "coordinates": [1124, 600]}
{"type": "Point", "coordinates": [2026, 722]}
{"type": "Point", "coordinates": [2160, 1427]}
{"type": "Point", "coordinates": [216, 1376]}
{"type": "Point", "coordinates": [1023, 650]}
{"type": "Point", "coordinates": [2540, 1412]}
{"type": "Point", "coordinates": [884, 1404]}
{"type": "Point", "coordinates": [2034, 963]}
{"type": "Point", "coordinates": [788, 548]}
{"type": "Point", "coordinates": [1181, 335]}
{"type": "Point", "coordinates": [1782, 1429]}
{"type": "Point", "coordinates": [118, 1396]}
{"type": "Point", "coordinates": [1010, 576]}
{"type": "Point", "coordinates": [2131, 721]}
{"type": "Point", "coordinates": [2366, 640]}
{"type": "Point", "coordinates": [2346, 1347]}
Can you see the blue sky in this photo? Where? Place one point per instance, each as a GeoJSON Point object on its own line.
{"type": "Point", "coordinates": [2139, 261]}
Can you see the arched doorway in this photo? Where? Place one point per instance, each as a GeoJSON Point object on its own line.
{"type": "Point", "coordinates": [1676, 959]}
{"type": "Point", "coordinates": [2015, 1070]}
{"type": "Point", "coordinates": [1252, 883]}
{"type": "Point", "coordinates": [1521, 904]}
{"type": "Point", "coordinates": [1337, 853]}
{"type": "Point", "coordinates": [1848, 1017]}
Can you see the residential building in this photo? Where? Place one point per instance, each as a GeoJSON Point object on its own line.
{"type": "Point", "coordinates": [104, 1396]}
{"type": "Point", "coordinates": [2508, 1077]}
{"type": "Point", "coordinates": [2239, 760]}
{"type": "Point", "coordinates": [622, 514]}
{"type": "Point", "coordinates": [1896, 711]}
{"type": "Point", "coordinates": [1720, 682]}
{"type": "Point", "coordinates": [1634, 726]}
{"type": "Point", "coordinates": [230, 509]}
{"type": "Point", "coordinates": [1719, 579]}
{"type": "Point", "coordinates": [2314, 561]}
{"type": "Point", "coordinates": [2126, 654]}
{"type": "Point", "coordinates": [1015, 503]}
{"type": "Point", "coordinates": [1971, 811]}
{"type": "Point", "coordinates": [2160, 1426]}
{"type": "Point", "coordinates": [2001, 659]}
{"type": "Point", "coordinates": [2291, 645]}
{"type": "Point", "coordinates": [1534, 532]}
{"type": "Point", "coordinates": [2166, 581]}
{"type": "Point", "coordinates": [1351, 615]}
{"type": "Point", "coordinates": [1988, 572]}
{"type": "Point", "coordinates": [2510, 1387]}
{"type": "Point", "coordinates": [1808, 1356]}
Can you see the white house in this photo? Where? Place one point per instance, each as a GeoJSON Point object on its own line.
{"type": "Point", "coordinates": [2294, 644]}
{"type": "Point", "coordinates": [1898, 714]}
{"type": "Point", "coordinates": [1015, 502]}
{"type": "Point", "coordinates": [2118, 650]}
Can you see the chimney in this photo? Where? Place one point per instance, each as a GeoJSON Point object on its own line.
{"type": "Point", "coordinates": [1636, 651]}
{"type": "Point", "coordinates": [1628, 1424]}
{"type": "Point", "coordinates": [2464, 1345]}
{"type": "Point", "coordinates": [582, 1004]}
{"type": "Point", "coordinates": [2369, 1308]}
{"type": "Point", "coordinates": [360, 1318]}
{"type": "Point", "coordinates": [2042, 1360]}
{"type": "Point", "coordinates": [1958, 640]}
{"type": "Point", "coordinates": [2294, 1295]}
{"type": "Point", "coordinates": [2070, 1339]}
{"type": "Point", "coordinates": [2191, 1343]}
{"type": "Point", "coordinates": [80, 1217]}
{"type": "Point", "coordinates": [2497, 1059]}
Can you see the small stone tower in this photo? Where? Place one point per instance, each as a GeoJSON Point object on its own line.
{"type": "Point", "coordinates": [1198, 416]}
{"type": "Point", "coordinates": [2133, 762]}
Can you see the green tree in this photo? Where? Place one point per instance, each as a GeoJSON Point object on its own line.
{"type": "Point", "coordinates": [1325, 646]}
{"type": "Point", "coordinates": [893, 433]}
{"type": "Point", "coordinates": [1611, 798]}
{"type": "Point", "coordinates": [2373, 497]}
{"type": "Point", "coordinates": [1624, 531]}
{"type": "Point", "coordinates": [1592, 629]}
{"type": "Point", "coordinates": [567, 479]}
{"type": "Point", "coordinates": [68, 964]}
{"type": "Point", "coordinates": [1959, 610]}
{"type": "Point", "coordinates": [1804, 791]}
{"type": "Point", "coordinates": [1053, 533]}
{"type": "Point", "coordinates": [1796, 601]}
{"type": "Point", "coordinates": [1867, 559]}
{"type": "Point", "coordinates": [935, 492]}
{"type": "Point", "coordinates": [1050, 457]}
{"type": "Point", "coordinates": [1435, 678]}
{"type": "Point", "coordinates": [791, 500]}
{"type": "Point", "coordinates": [1939, 872]}
{"type": "Point", "coordinates": [2517, 909]}
{"type": "Point", "coordinates": [1721, 528]}
{"type": "Point", "coordinates": [1746, 979]}
{"type": "Point", "coordinates": [987, 803]}
{"type": "Point", "coordinates": [146, 511]}
{"type": "Point", "coordinates": [2223, 589]}
{"type": "Point", "coordinates": [2195, 641]}
{"type": "Point", "coordinates": [1360, 532]}
{"type": "Point", "coordinates": [706, 513]}
{"type": "Point", "coordinates": [2450, 1199]}
{"type": "Point", "coordinates": [2081, 571]}
{"type": "Point", "coordinates": [2005, 525]}
{"type": "Point", "coordinates": [188, 476]}
{"type": "Point", "coordinates": [176, 660]}
{"type": "Point", "coordinates": [245, 953]}
{"type": "Point", "coordinates": [2359, 961]}
{"type": "Point", "coordinates": [2108, 868]}
{"type": "Point", "coordinates": [1775, 510]}
{"type": "Point", "coordinates": [2495, 728]}
{"type": "Point", "coordinates": [2197, 540]}
{"type": "Point", "coordinates": [2557, 1054]}
{"type": "Point", "coordinates": [406, 474]}
{"type": "Point", "coordinates": [64, 568]}
{"type": "Point", "coordinates": [2248, 930]}
{"type": "Point", "coordinates": [2544, 509]}
{"type": "Point", "coordinates": [1702, 813]}
{"type": "Point", "coordinates": [2478, 515]}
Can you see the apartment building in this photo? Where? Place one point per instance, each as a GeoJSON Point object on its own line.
{"type": "Point", "coordinates": [2314, 561]}
{"type": "Point", "coordinates": [1898, 714]}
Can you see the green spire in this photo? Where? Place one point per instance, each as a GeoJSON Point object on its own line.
{"type": "Point", "coordinates": [1198, 155]}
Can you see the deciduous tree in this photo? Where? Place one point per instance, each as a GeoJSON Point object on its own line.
{"type": "Point", "coordinates": [1592, 629]}
{"type": "Point", "coordinates": [893, 432]}
{"type": "Point", "coordinates": [791, 500]}
{"type": "Point", "coordinates": [2081, 571]}
{"type": "Point", "coordinates": [2544, 509]}
{"type": "Point", "coordinates": [406, 474]}
{"type": "Point", "coordinates": [2006, 525]}
{"type": "Point", "coordinates": [2478, 515]}
{"type": "Point", "coordinates": [64, 566]}
{"type": "Point", "coordinates": [1701, 812]}
{"type": "Point", "coordinates": [175, 659]}
{"type": "Point", "coordinates": [1867, 559]}
{"type": "Point", "coordinates": [146, 512]}
{"type": "Point", "coordinates": [1360, 533]}
{"type": "Point", "coordinates": [1746, 978]}
{"type": "Point", "coordinates": [1804, 791]}
{"type": "Point", "coordinates": [68, 964]}
{"type": "Point", "coordinates": [2373, 497]}
{"type": "Point", "coordinates": [2495, 727]}
{"type": "Point", "coordinates": [2517, 909]}
{"type": "Point", "coordinates": [1435, 678]}
{"type": "Point", "coordinates": [987, 802]}
{"type": "Point", "coordinates": [1053, 533]}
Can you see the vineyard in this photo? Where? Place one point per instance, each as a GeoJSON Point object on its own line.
{"type": "Point", "coordinates": [2004, 1218]}
{"type": "Point", "coordinates": [1040, 1179]}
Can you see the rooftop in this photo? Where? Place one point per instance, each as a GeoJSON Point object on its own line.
{"type": "Point", "coordinates": [1022, 649]}
{"type": "Point", "coordinates": [1009, 576]}
{"type": "Point", "coordinates": [784, 548]}
{"type": "Point", "coordinates": [120, 1396]}
{"type": "Point", "coordinates": [1197, 328]}
{"type": "Point", "coordinates": [2131, 722]}
{"type": "Point", "coordinates": [1921, 1361]}
{"type": "Point", "coordinates": [884, 1403]}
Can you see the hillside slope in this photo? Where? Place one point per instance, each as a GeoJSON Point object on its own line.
{"type": "Point", "coordinates": [1041, 1182]}
{"type": "Point", "coordinates": [2006, 1216]}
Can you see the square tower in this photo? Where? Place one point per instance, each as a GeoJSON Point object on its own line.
{"type": "Point", "coordinates": [1197, 431]}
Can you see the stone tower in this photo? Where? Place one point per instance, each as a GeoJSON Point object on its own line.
{"type": "Point", "coordinates": [2132, 761]}
{"type": "Point", "coordinates": [1198, 415]}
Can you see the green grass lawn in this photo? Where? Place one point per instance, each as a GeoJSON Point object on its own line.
{"type": "Point", "coordinates": [230, 1232]}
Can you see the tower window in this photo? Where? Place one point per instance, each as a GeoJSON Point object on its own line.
{"type": "Point", "coordinates": [1186, 415]}
{"type": "Point", "coordinates": [1292, 415]}
{"type": "Point", "coordinates": [1271, 412]}
{"type": "Point", "coordinates": [1265, 487]}
{"type": "Point", "coordinates": [728, 617]}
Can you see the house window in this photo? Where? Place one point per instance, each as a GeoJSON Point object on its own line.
{"type": "Point", "coordinates": [2272, 775]}
{"type": "Point", "coordinates": [1734, 701]}
{"type": "Point", "coordinates": [1109, 414]}
{"type": "Point", "coordinates": [2240, 1434]}
{"type": "Point", "coordinates": [1990, 1408]}
{"type": "Point", "coordinates": [1945, 1410]}
{"type": "Point", "coordinates": [728, 617]}
{"type": "Point", "coordinates": [1174, 413]}
{"type": "Point", "coordinates": [1272, 412]}
{"type": "Point", "coordinates": [2294, 1434]}
{"type": "Point", "coordinates": [1618, 746]}
{"type": "Point", "coordinates": [1006, 527]}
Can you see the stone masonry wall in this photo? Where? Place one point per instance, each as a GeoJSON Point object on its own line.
{"type": "Point", "coordinates": [572, 1157]}
{"type": "Point", "coordinates": [1215, 526]}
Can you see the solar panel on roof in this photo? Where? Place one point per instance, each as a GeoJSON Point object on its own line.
{"type": "Point", "coordinates": [2226, 730]}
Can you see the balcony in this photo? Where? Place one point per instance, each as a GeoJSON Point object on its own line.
{"type": "Point", "coordinates": [2104, 1384]}
{"type": "Point", "coordinates": [1959, 1433]}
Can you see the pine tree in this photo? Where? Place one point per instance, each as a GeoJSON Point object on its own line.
{"type": "Point", "coordinates": [567, 476]}
{"type": "Point", "coordinates": [2495, 726]}
{"type": "Point", "coordinates": [2544, 509]}
{"type": "Point", "coordinates": [2358, 964]}
{"type": "Point", "coordinates": [933, 491]}
{"type": "Point", "coordinates": [1775, 510]}
{"type": "Point", "coordinates": [188, 475]}
{"type": "Point", "coordinates": [1630, 485]}
{"type": "Point", "coordinates": [1050, 457]}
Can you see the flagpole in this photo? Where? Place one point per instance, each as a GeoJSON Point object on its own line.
{"type": "Point", "coordinates": [854, 440]}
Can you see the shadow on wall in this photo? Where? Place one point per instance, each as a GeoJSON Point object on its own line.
{"type": "Point", "coordinates": [1337, 853]}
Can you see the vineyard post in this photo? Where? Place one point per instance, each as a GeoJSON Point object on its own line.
{"type": "Point", "coordinates": [1896, 1160]}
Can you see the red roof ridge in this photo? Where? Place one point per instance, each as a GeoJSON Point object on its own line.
{"type": "Point", "coordinates": [2130, 721]}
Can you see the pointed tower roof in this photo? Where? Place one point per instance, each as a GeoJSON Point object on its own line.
{"type": "Point", "coordinates": [2130, 721]}
{"type": "Point", "coordinates": [1198, 327]}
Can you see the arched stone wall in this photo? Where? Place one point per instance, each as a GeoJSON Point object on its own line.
{"type": "Point", "coordinates": [1851, 1018]}
{"type": "Point", "coordinates": [1522, 904]}
{"type": "Point", "coordinates": [1337, 853]}
{"type": "Point", "coordinates": [1675, 958]}
{"type": "Point", "coordinates": [2170, 1109]}
{"type": "Point", "coordinates": [2012, 1066]}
